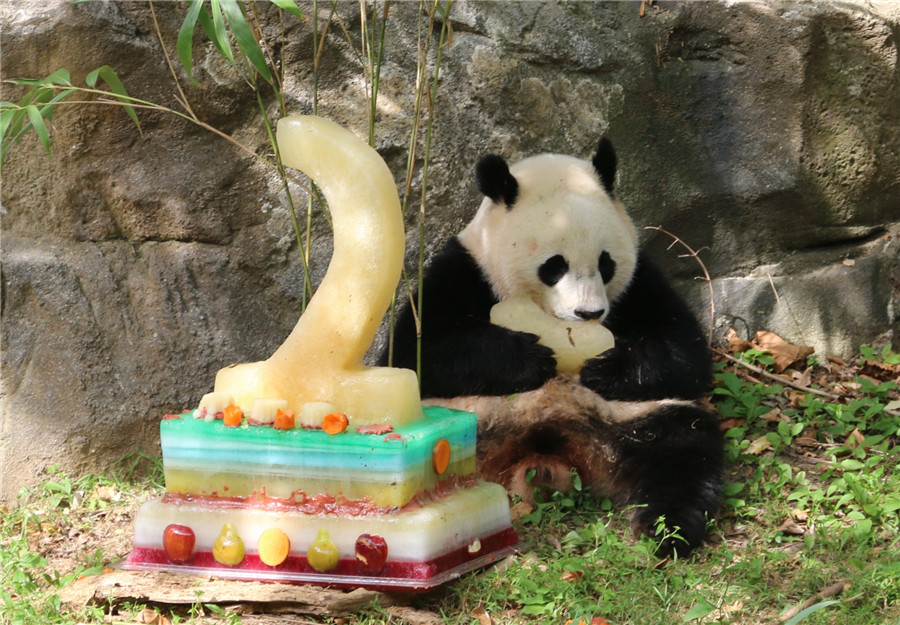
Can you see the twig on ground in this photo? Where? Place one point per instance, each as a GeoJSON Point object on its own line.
{"type": "Point", "coordinates": [786, 382]}
{"type": "Point", "coordinates": [829, 591]}
{"type": "Point", "coordinates": [772, 376]}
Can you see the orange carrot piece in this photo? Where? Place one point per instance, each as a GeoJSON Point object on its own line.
{"type": "Point", "coordinates": [440, 456]}
{"type": "Point", "coordinates": [284, 420]}
{"type": "Point", "coordinates": [335, 422]}
{"type": "Point", "coordinates": [233, 416]}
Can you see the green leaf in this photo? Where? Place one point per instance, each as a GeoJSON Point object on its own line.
{"type": "Point", "coordinates": [852, 465]}
{"type": "Point", "coordinates": [91, 78]}
{"type": "Point", "coordinates": [59, 77]}
{"type": "Point", "coordinates": [700, 609]}
{"type": "Point", "coordinates": [6, 117]}
{"type": "Point", "coordinates": [112, 79]}
{"type": "Point", "coordinates": [185, 43]}
{"type": "Point", "coordinates": [862, 528]}
{"type": "Point", "coordinates": [868, 352]}
{"type": "Point", "coordinates": [37, 121]}
{"type": "Point", "coordinates": [30, 82]}
{"type": "Point", "coordinates": [49, 107]}
{"type": "Point", "coordinates": [218, 34]}
{"type": "Point", "coordinates": [16, 121]}
{"type": "Point", "coordinates": [731, 382]}
{"type": "Point", "coordinates": [802, 614]}
{"type": "Point", "coordinates": [244, 36]}
{"type": "Point", "coordinates": [290, 6]}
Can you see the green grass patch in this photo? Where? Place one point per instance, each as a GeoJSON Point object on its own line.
{"type": "Point", "coordinates": [808, 532]}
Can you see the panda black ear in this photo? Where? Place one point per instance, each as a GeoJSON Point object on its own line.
{"type": "Point", "coordinates": [495, 181]}
{"type": "Point", "coordinates": [604, 162]}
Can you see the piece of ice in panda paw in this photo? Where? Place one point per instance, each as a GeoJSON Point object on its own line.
{"type": "Point", "coordinates": [572, 342]}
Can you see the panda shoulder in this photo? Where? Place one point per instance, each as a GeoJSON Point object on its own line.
{"type": "Point", "coordinates": [455, 281]}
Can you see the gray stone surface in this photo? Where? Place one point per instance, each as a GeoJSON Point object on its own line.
{"type": "Point", "coordinates": [134, 266]}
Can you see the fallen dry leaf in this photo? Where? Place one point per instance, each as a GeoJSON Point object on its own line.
{"type": "Point", "coordinates": [758, 446]}
{"type": "Point", "coordinates": [152, 617]}
{"type": "Point", "coordinates": [854, 439]}
{"type": "Point", "coordinates": [731, 422]}
{"type": "Point", "coordinates": [883, 366]}
{"type": "Point", "coordinates": [736, 344]}
{"type": "Point", "coordinates": [482, 616]}
{"type": "Point", "coordinates": [784, 353]}
{"type": "Point", "coordinates": [520, 509]}
{"type": "Point", "coordinates": [790, 526]}
{"type": "Point", "coordinates": [415, 616]}
{"type": "Point", "coordinates": [802, 379]}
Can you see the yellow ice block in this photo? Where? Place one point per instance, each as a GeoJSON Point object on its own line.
{"type": "Point", "coordinates": [572, 342]}
{"type": "Point", "coordinates": [322, 358]}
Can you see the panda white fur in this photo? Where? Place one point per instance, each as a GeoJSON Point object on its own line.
{"type": "Point", "coordinates": [550, 228]}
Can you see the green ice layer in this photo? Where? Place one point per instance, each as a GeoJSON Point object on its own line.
{"type": "Point", "coordinates": [208, 458]}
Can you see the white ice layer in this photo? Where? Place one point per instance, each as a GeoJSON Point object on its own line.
{"type": "Point", "coordinates": [416, 535]}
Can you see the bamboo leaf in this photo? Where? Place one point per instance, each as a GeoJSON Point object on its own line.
{"type": "Point", "coordinates": [37, 121]}
{"type": "Point", "coordinates": [185, 43]}
{"type": "Point", "coordinates": [6, 117]}
{"type": "Point", "coordinates": [59, 77]}
{"type": "Point", "coordinates": [14, 125]}
{"type": "Point", "coordinates": [112, 79]}
{"type": "Point", "coordinates": [218, 34]}
{"type": "Point", "coordinates": [243, 34]}
{"type": "Point", "coordinates": [91, 78]}
{"type": "Point", "coordinates": [290, 6]}
{"type": "Point", "coordinates": [811, 610]}
{"type": "Point", "coordinates": [701, 609]}
{"type": "Point", "coordinates": [49, 107]}
{"type": "Point", "coordinates": [207, 24]}
{"type": "Point", "coordinates": [30, 82]}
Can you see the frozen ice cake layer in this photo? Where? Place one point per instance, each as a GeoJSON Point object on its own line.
{"type": "Point", "coordinates": [389, 468]}
{"type": "Point", "coordinates": [386, 507]}
{"type": "Point", "coordinates": [424, 546]}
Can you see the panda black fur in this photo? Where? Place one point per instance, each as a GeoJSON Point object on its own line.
{"type": "Point", "coordinates": [550, 228]}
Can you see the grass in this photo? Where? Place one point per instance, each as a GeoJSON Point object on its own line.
{"type": "Point", "coordinates": [808, 532]}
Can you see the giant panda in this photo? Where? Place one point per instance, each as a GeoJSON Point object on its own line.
{"type": "Point", "coordinates": [551, 228]}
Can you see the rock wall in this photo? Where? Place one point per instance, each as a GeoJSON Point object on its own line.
{"type": "Point", "coordinates": [135, 265]}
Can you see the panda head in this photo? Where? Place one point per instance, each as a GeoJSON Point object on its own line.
{"type": "Point", "coordinates": [550, 228]}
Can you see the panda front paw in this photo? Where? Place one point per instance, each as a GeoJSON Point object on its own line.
{"type": "Point", "coordinates": [676, 532]}
{"type": "Point", "coordinates": [606, 373]}
{"type": "Point", "coordinates": [534, 363]}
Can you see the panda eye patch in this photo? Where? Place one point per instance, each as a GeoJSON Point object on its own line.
{"type": "Point", "coordinates": [553, 269]}
{"type": "Point", "coordinates": [607, 267]}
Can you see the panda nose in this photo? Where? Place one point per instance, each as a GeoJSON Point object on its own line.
{"type": "Point", "coordinates": [589, 315]}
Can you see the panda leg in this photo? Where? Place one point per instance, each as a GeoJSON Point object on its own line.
{"type": "Point", "coordinates": [670, 463]}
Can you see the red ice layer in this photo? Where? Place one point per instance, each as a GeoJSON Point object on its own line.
{"type": "Point", "coordinates": [404, 572]}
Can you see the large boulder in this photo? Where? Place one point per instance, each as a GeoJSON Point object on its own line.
{"type": "Point", "coordinates": [137, 264]}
